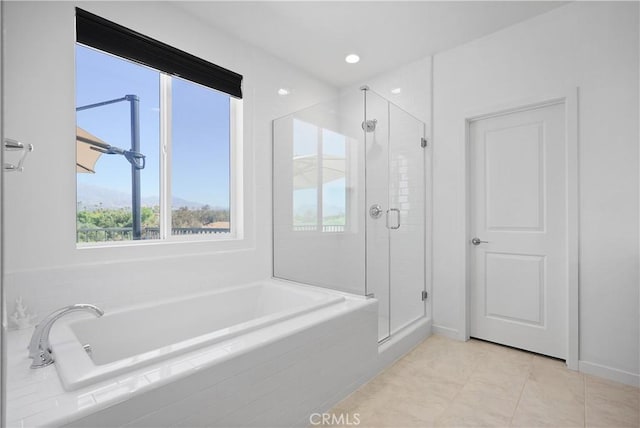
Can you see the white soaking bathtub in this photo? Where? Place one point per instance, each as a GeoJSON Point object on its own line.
{"type": "Point", "coordinates": [124, 340]}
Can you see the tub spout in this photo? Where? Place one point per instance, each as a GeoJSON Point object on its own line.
{"type": "Point", "coordinates": [39, 348]}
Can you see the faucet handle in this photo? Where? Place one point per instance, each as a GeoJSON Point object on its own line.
{"type": "Point", "coordinates": [44, 359]}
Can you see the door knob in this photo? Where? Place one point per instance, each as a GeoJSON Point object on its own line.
{"type": "Point", "coordinates": [477, 241]}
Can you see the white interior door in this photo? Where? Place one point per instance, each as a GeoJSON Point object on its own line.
{"type": "Point", "coordinates": [518, 277]}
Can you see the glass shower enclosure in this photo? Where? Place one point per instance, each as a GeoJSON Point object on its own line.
{"type": "Point", "coordinates": [349, 203]}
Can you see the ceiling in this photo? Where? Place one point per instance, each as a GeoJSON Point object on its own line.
{"type": "Point", "coordinates": [316, 35]}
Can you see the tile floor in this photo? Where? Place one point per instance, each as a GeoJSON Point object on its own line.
{"type": "Point", "coordinates": [454, 384]}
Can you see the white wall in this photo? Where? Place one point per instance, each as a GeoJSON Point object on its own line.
{"type": "Point", "coordinates": [414, 82]}
{"type": "Point", "coordinates": [593, 46]}
{"type": "Point", "coordinates": [42, 261]}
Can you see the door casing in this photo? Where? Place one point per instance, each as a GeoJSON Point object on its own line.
{"type": "Point", "coordinates": [569, 99]}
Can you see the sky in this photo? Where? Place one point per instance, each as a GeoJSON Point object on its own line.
{"type": "Point", "coordinates": [200, 129]}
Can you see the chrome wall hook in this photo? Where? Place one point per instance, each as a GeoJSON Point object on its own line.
{"type": "Point", "coordinates": [11, 145]}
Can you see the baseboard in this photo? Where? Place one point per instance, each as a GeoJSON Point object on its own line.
{"type": "Point", "coordinates": [402, 342]}
{"type": "Point", "coordinates": [451, 333]}
{"type": "Point", "coordinates": [594, 369]}
{"type": "Point", "coordinates": [610, 373]}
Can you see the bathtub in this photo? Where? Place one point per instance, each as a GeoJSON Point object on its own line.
{"type": "Point", "coordinates": [264, 354]}
{"type": "Point", "coordinates": [90, 349]}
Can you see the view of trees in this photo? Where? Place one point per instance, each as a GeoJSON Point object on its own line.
{"type": "Point", "coordinates": [115, 217]}
{"type": "Point", "coordinates": [121, 217]}
{"type": "Point", "coordinates": [185, 217]}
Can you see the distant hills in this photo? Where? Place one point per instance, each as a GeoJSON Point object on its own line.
{"type": "Point", "coordinates": [91, 197]}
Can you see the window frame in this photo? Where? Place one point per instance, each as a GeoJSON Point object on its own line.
{"type": "Point", "coordinates": [231, 86]}
{"type": "Point", "coordinates": [235, 171]}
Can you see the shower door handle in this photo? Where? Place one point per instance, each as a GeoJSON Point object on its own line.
{"type": "Point", "coordinates": [398, 223]}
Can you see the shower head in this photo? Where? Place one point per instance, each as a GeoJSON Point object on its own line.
{"type": "Point", "coordinates": [369, 125]}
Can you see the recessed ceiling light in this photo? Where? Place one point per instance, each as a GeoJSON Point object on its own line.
{"type": "Point", "coordinates": [396, 91]}
{"type": "Point", "coordinates": [352, 58]}
{"type": "Point", "coordinates": [283, 91]}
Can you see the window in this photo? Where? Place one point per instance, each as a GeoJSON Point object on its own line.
{"type": "Point", "coordinates": [200, 159]}
{"type": "Point", "coordinates": [319, 179]}
{"type": "Point", "coordinates": [155, 151]}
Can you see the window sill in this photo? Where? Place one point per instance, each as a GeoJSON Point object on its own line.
{"type": "Point", "coordinates": [159, 242]}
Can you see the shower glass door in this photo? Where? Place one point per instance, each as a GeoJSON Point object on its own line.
{"type": "Point", "coordinates": [395, 183]}
{"type": "Point", "coordinates": [407, 237]}
{"type": "Point", "coordinates": [349, 203]}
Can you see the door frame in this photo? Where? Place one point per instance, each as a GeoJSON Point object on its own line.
{"type": "Point", "coordinates": [569, 98]}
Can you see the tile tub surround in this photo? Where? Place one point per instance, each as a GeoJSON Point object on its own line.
{"type": "Point", "coordinates": [305, 364]}
{"type": "Point", "coordinates": [448, 383]}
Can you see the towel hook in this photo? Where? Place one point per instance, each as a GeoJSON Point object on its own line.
{"type": "Point", "coordinates": [12, 145]}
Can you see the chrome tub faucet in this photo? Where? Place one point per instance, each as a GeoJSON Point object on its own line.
{"type": "Point", "coordinates": [39, 347]}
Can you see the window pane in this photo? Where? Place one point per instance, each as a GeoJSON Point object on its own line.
{"type": "Point", "coordinates": [104, 180]}
{"type": "Point", "coordinates": [200, 166]}
{"type": "Point", "coordinates": [334, 197]}
{"type": "Point", "coordinates": [305, 176]}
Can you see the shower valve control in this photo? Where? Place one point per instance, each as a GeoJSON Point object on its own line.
{"type": "Point", "coordinates": [375, 211]}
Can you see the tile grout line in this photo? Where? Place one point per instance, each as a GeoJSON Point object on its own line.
{"type": "Point", "coordinates": [521, 392]}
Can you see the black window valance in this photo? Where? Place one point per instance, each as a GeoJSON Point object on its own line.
{"type": "Point", "coordinates": [99, 33]}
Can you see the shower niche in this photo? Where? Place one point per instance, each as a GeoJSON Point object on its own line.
{"type": "Point", "coordinates": [350, 203]}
